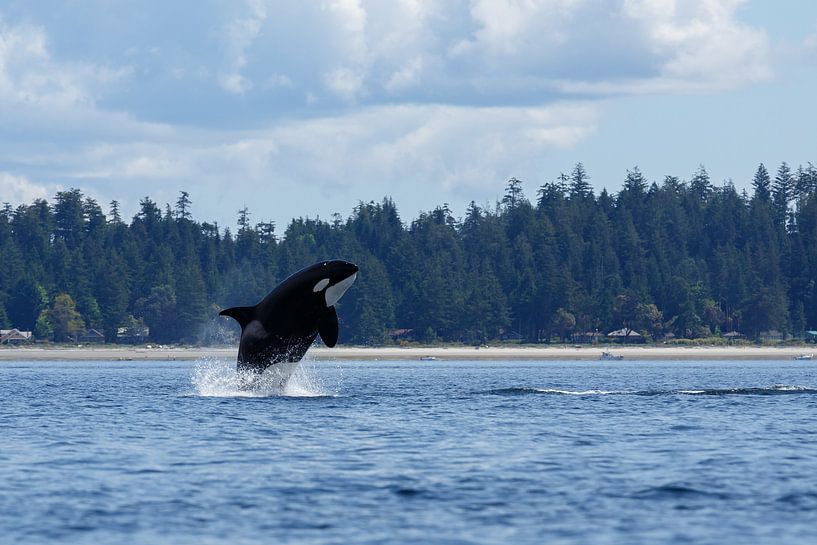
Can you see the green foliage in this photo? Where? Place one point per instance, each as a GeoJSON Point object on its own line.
{"type": "Point", "coordinates": [687, 258]}
{"type": "Point", "coordinates": [158, 310]}
{"type": "Point", "coordinates": [4, 319]}
{"type": "Point", "coordinates": [369, 308]}
{"type": "Point", "coordinates": [27, 300]}
{"type": "Point", "coordinates": [64, 319]}
{"type": "Point", "coordinates": [565, 322]}
{"type": "Point", "coordinates": [43, 329]}
{"type": "Point", "coordinates": [762, 184]}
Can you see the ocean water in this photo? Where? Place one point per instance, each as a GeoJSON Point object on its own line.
{"type": "Point", "coordinates": [410, 452]}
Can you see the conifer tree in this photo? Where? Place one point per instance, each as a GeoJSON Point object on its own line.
{"type": "Point", "coordinates": [700, 184]}
{"type": "Point", "coordinates": [116, 217]}
{"type": "Point", "coordinates": [27, 300]}
{"type": "Point", "coordinates": [762, 184]}
{"type": "Point", "coordinates": [579, 185]}
{"type": "Point", "coordinates": [696, 259]}
{"type": "Point", "coordinates": [5, 323]}
{"type": "Point", "coordinates": [183, 206]}
{"type": "Point", "coordinates": [68, 217]}
{"type": "Point", "coordinates": [782, 193]}
{"type": "Point", "coordinates": [513, 194]}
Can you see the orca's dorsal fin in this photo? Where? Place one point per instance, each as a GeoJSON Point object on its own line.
{"type": "Point", "coordinates": [328, 328]}
{"type": "Point", "coordinates": [243, 315]}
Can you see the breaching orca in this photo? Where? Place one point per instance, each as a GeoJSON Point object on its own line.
{"type": "Point", "coordinates": [281, 328]}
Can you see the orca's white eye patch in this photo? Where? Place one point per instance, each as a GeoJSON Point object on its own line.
{"type": "Point", "coordinates": [320, 285]}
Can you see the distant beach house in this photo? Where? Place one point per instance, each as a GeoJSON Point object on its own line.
{"type": "Point", "coordinates": [400, 334]}
{"type": "Point", "coordinates": [588, 337]}
{"type": "Point", "coordinates": [510, 335]}
{"type": "Point", "coordinates": [625, 336]}
{"type": "Point", "coordinates": [733, 335]}
{"type": "Point", "coordinates": [132, 335]}
{"type": "Point", "coordinates": [91, 336]}
{"type": "Point", "coordinates": [14, 336]}
{"type": "Point", "coordinates": [772, 336]}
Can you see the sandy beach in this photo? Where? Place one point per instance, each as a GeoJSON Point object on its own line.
{"type": "Point", "coordinates": [120, 353]}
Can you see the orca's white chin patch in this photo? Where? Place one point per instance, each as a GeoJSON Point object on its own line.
{"type": "Point", "coordinates": [334, 293]}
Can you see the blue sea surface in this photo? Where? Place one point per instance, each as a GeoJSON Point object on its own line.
{"type": "Point", "coordinates": [410, 452]}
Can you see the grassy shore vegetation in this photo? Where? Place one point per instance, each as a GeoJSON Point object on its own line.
{"type": "Point", "coordinates": [684, 257]}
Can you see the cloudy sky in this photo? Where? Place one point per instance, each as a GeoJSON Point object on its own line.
{"type": "Point", "coordinates": [306, 108]}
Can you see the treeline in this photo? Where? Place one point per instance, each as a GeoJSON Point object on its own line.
{"type": "Point", "coordinates": [683, 257]}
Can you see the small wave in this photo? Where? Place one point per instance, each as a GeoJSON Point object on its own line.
{"type": "Point", "coordinates": [677, 491]}
{"type": "Point", "coordinates": [805, 501]}
{"type": "Point", "coordinates": [219, 378]}
{"type": "Point", "coordinates": [550, 391]}
{"type": "Point", "coordinates": [778, 389]}
{"type": "Point", "coordinates": [579, 392]}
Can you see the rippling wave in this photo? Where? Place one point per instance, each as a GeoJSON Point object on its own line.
{"type": "Point", "coordinates": [488, 452]}
{"type": "Point", "coordinates": [678, 491]}
{"type": "Point", "coordinates": [778, 389]}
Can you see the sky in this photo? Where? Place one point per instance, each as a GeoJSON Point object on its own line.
{"type": "Point", "coordinates": [304, 109]}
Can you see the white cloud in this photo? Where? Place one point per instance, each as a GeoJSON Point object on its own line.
{"type": "Point", "coordinates": [352, 18]}
{"type": "Point", "coordinates": [352, 94]}
{"type": "Point", "coordinates": [509, 26]}
{"type": "Point", "coordinates": [49, 107]}
{"type": "Point", "coordinates": [504, 51]}
{"type": "Point", "coordinates": [632, 47]}
{"type": "Point", "coordinates": [278, 81]}
{"type": "Point", "coordinates": [307, 166]}
{"type": "Point", "coordinates": [432, 148]}
{"type": "Point", "coordinates": [701, 44]}
{"type": "Point", "coordinates": [406, 76]}
{"type": "Point", "coordinates": [809, 46]}
{"type": "Point", "coordinates": [344, 82]}
{"type": "Point", "coordinates": [29, 77]}
{"type": "Point", "coordinates": [357, 52]}
{"type": "Point", "coordinates": [380, 47]}
{"type": "Point", "coordinates": [352, 56]}
{"type": "Point", "coordinates": [238, 37]}
{"type": "Point", "coordinates": [19, 190]}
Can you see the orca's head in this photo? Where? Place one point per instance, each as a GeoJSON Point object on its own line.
{"type": "Point", "coordinates": [329, 280]}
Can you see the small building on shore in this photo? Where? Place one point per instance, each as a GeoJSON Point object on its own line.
{"type": "Point", "coordinates": [626, 336]}
{"type": "Point", "coordinates": [400, 334]}
{"type": "Point", "coordinates": [14, 336]}
{"type": "Point", "coordinates": [91, 336]}
{"type": "Point", "coordinates": [587, 337]}
{"type": "Point", "coordinates": [132, 335]}
{"type": "Point", "coordinates": [733, 336]}
{"type": "Point", "coordinates": [771, 336]}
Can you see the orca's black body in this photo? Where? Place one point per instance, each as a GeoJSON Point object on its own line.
{"type": "Point", "coordinates": [282, 327]}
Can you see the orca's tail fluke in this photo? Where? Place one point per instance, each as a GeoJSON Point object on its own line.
{"type": "Point", "coordinates": [243, 315]}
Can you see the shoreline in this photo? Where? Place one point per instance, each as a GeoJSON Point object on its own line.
{"type": "Point", "coordinates": [550, 353]}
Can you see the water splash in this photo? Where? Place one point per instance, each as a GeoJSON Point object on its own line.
{"type": "Point", "coordinates": [220, 378]}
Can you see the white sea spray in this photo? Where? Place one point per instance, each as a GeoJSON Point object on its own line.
{"type": "Point", "coordinates": [219, 378]}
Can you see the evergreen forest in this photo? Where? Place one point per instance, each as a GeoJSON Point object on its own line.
{"type": "Point", "coordinates": [672, 258]}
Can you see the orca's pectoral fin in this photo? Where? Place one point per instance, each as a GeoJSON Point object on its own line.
{"type": "Point", "coordinates": [328, 328]}
{"type": "Point", "coordinates": [243, 315]}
